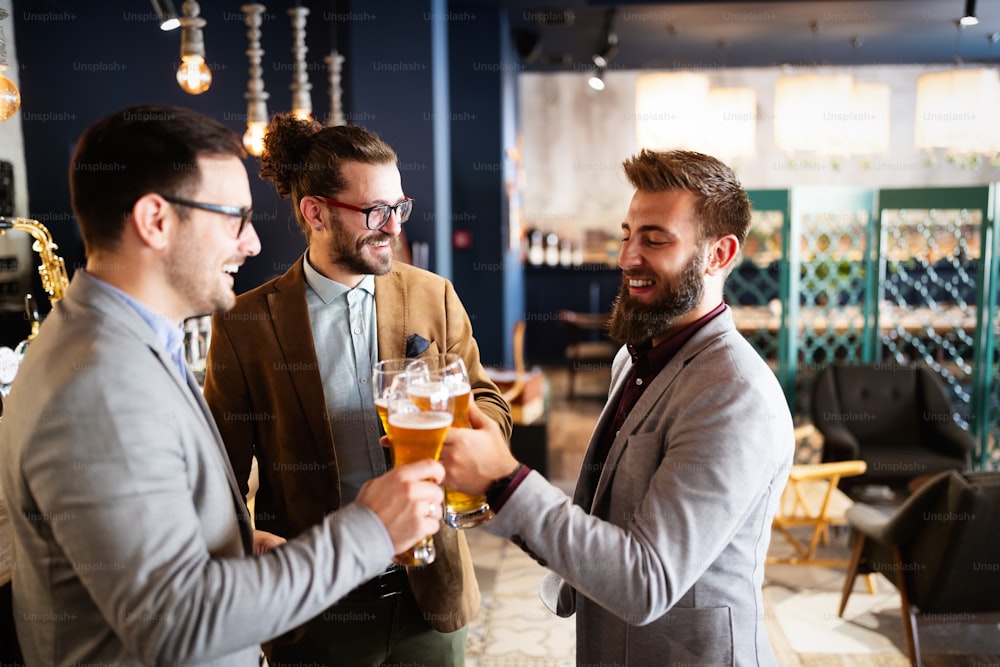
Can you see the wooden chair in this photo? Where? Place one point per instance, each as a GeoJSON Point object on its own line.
{"type": "Point", "coordinates": [588, 343]}
{"type": "Point", "coordinates": [520, 375]}
{"type": "Point", "coordinates": [811, 499]}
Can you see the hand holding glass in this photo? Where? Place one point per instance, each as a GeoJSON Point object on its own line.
{"type": "Point", "coordinates": [417, 433]}
{"type": "Point", "coordinates": [462, 510]}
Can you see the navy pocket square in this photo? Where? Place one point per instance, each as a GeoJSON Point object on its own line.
{"type": "Point", "coordinates": [415, 345]}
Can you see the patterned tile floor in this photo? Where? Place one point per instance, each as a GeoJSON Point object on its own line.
{"type": "Point", "coordinates": [513, 628]}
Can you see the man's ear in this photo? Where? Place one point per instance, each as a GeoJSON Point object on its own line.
{"type": "Point", "coordinates": [722, 252]}
{"type": "Point", "coordinates": [150, 219]}
{"type": "Point", "coordinates": [312, 213]}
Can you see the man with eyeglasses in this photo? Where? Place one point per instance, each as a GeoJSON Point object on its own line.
{"type": "Point", "coordinates": [132, 544]}
{"type": "Point", "coordinates": [297, 353]}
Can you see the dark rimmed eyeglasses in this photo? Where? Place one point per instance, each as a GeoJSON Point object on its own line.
{"type": "Point", "coordinates": [243, 213]}
{"type": "Point", "coordinates": [382, 211]}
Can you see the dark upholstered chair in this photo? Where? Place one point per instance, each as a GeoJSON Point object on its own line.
{"type": "Point", "coordinates": [941, 548]}
{"type": "Point", "coordinates": [897, 419]}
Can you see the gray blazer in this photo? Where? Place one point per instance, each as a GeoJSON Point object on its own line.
{"type": "Point", "coordinates": [130, 537]}
{"type": "Point", "coordinates": [663, 561]}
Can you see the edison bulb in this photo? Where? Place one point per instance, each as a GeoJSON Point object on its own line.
{"type": "Point", "coordinates": [10, 98]}
{"type": "Point", "coordinates": [193, 75]}
{"type": "Point", "coordinates": [253, 138]}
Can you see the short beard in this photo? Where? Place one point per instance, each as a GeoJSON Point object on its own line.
{"type": "Point", "coordinates": [634, 322]}
{"type": "Point", "coordinates": [354, 261]}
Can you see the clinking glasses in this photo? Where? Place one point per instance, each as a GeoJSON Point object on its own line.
{"type": "Point", "coordinates": [244, 214]}
{"type": "Point", "coordinates": [381, 211]}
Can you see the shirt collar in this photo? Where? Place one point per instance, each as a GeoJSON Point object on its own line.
{"type": "Point", "coordinates": [170, 334]}
{"type": "Point", "coordinates": [327, 289]}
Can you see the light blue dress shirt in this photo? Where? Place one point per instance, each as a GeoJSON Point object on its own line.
{"type": "Point", "coordinates": [170, 334]}
{"type": "Point", "coordinates": [345, 335]}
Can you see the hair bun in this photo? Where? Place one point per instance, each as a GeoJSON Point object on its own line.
{"type": "Point", "coordinates": [286, 145]}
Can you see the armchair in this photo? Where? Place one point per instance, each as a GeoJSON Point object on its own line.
{"type": "Point", "coordinates": [897, 419]}
{"type": "Point", "coordinates": [940, 548]}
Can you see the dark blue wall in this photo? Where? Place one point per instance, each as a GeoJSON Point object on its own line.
{"type": "Point", "coordinates": [81, 63]}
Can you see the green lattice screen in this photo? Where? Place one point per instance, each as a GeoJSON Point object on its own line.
{"type": "Point", "coordinates": [927, 302]}
{"type": "Point", "coordinates": [754, 287]}
{"type": "Point", "coordinates": [939, 298]}
{"type": "Point", "coordinates": [832, 318]}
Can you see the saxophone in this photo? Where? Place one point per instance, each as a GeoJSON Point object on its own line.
{"type": "Point", "coordinates": [53, 268]}
{"type": "Point", "coordinates": [54, 281]}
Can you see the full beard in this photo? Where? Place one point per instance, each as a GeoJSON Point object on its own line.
{"type": "Point", "coordinates": [350, 254]}
{"type": "Point", "coordinates": [633, 322]}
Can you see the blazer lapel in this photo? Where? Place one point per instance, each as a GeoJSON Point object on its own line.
{"type": "Point", "coordinates": [585, 491]}
{"type": "Point", "coordinates": [290, 315]}
{"type": "Point", "coordinates": [222, 461]}
{"type": "Point", "coordinates": [392, 314]}
{"type": "Point", "coordinates": [641, 410]}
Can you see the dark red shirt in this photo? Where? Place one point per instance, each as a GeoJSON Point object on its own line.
{"type": "Point", "coordinates": [647, 362]}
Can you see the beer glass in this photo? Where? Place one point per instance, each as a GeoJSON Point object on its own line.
{"type": "Point", "coordinates": [417, 432]}
{"type": "Point", "coordinates": [462, 510]}
{"type": "Point", "coordinates": [383, 373]}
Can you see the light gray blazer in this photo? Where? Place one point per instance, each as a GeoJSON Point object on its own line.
{"type": "Point", "coordinates": [664, 560]}
{"type": "Point", "coordinates": [130, 538]}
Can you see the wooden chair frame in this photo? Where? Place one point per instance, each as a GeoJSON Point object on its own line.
{"type": "Point", "coordinates": [811, 499]}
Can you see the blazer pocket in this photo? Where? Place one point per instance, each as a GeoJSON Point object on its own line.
{"type": "Point", "coordinates": [632, 473]}
{"type": "Point", "coordinates": [699, 635]}
{"type": "Point", "coordinates": [429, 351]}
{"type": "Point", "coordinates": [641, 457]}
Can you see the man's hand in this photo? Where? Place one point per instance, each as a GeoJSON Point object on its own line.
{"type": "Point", "coordinates": [408, 500]}
{"type": "Point", "coordinates": [475, 457]}
{"type": "Point", "coordinates": [264, 541]}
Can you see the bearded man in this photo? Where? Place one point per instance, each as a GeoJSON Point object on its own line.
{"type": "Point", "coordinates": [288, 380]}
{"type": "Point", "coordinates": [660, 552]}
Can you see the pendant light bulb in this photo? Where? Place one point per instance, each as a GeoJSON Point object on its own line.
{"type": "Point", "coordinates": [10, 98]}
{"type": "Point", "coordinates": [193, 75]}
{"type": "Point", "coordinates": [253, 138]}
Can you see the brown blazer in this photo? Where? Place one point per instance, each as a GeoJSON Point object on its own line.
{"type": "Point", "coordinates": [265, 391]}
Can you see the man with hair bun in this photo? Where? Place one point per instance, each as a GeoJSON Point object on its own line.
{"type": "Point", "coordinates": [300, 349]}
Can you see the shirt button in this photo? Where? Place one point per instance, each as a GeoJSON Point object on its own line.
{"type": "Point", "coordinates": [364, 380]}
{"type": "Point", "coordinates": [638, 380]}
{"type": "Point", "coordinates": [357, 330]}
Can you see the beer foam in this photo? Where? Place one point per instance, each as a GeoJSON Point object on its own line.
{"type": "Point", "coordinates": [423, 420]}
{"type": "Point", "coordinates": [459, 388]}
{"type": "Point", "coordinates": [426, 390]}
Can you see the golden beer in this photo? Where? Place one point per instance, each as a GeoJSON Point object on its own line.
{"type": "Point", "coordinates": [382, 407]}
{"type": "Point", "coordinates": [458, 502]}
{"type": "Point", "coordinates": [415, 436]}
{"type": "Point", "coordinates": [462, 409]}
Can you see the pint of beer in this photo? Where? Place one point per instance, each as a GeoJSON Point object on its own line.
{"type": "Point", "coordinates": [415, 436]}
{"type": "Point", "coordinates": [461, 509]}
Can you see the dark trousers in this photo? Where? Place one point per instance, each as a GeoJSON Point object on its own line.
{"type": "Point", "coordinates": [371, 632]}
{"type": "Point", "coordinates": [10, 651]}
